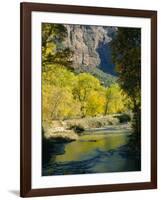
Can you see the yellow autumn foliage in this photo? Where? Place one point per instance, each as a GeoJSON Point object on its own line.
{"type": "Point", "coordinates": [68, 95]}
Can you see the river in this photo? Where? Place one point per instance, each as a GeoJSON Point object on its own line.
{"type": "Point", "coordinates": [93, 152]}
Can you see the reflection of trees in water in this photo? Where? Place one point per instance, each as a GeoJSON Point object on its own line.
{"type": "Point", "coordinates": [98, 160]}
{"type": "Point", "coordinates": [51, 148]}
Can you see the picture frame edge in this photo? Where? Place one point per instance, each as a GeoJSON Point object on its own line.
{"type": "Point", "coordinates": [25, 109]}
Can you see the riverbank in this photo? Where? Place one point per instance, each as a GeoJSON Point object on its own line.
{"type": "Point", "coordinates": [70, 129]}
{"type": "Point", "coordinates": [66, 135]}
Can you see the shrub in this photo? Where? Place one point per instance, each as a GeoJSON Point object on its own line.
{"type": "Point", "coordinates": [124, 118]}
{"type": "Point", "coordinates": [77, 128]}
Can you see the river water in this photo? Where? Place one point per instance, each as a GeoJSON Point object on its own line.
{"type": "Point", "coordinates": [94, 152]}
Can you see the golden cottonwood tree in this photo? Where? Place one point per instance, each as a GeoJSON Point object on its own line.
{"type": "Point", "coordinates": [66, 94]}
{"type": "Point", "coordinates": [95, 103]}
{"type": "Point", "coordinates": [85, 85]}
{"type": "Point", "coordinates": [115, 100]}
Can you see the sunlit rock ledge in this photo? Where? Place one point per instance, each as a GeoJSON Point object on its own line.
{"type": "Point", "coordinates": [61, 133]}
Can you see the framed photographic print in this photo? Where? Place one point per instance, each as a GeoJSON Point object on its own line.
{"type": "Point", "coordinates": [88, 99]}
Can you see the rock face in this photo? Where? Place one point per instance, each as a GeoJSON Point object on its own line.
{"type": "Point", "coordinates": [90, 45]}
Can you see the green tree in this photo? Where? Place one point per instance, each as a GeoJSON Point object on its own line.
{"type": "Point", "coordinates": [53, 51]}
{"type": "Point", "coordinates": [126, 49]}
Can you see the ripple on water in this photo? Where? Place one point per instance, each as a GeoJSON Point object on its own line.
{"type": "Point", "coordinates": [96, 153]}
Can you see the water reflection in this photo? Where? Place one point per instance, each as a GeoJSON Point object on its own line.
{"type": "Point", "coordinates": [92, 153]}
